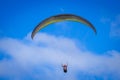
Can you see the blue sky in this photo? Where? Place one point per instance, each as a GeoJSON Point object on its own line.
{"type": "Point", "coordinates": [90, 56]}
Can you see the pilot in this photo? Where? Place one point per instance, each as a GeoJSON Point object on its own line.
{"type": "Point", "coordinates": [64, 68]}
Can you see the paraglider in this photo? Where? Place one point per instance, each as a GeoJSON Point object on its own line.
{"type": "Point", "coordinates": [61, 17]}
{"type": "Point", "coordinates": [64, 68]}
{"type": "Point", "coordinates": [58, 18]}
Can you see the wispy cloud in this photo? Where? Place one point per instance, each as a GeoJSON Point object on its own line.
{"type": "Point", "coordinates": [62, 9]}
{"type": "Point", "coordinates": [42, 57]}
{"type": "Point", "coordinates": [104, 20]}
{"type": "Point", "coordinates": [115, 27]}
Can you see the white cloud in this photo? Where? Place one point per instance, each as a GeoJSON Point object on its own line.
{"type": "Point", "coordinates": [115, 27]}
{"type": "Point", "coordinates": [42, 57]}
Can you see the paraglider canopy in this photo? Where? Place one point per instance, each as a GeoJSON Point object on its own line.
{"type": "Point", "coordinates": [61, 17]}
